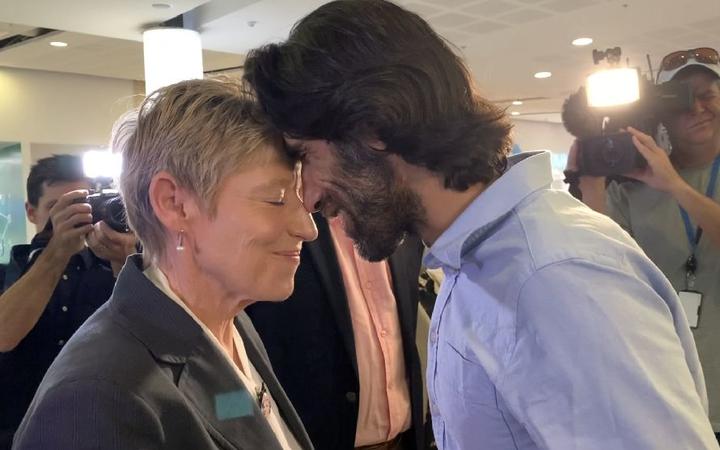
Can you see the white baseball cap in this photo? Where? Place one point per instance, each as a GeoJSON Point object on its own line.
{"type": "Point", "coordinates": [704, 57]}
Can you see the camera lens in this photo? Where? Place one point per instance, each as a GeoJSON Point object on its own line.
{"type": "Point", "coordinates": [611, 155]}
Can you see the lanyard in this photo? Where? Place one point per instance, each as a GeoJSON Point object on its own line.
{"type": "Point", "coordinates": [694, 236]}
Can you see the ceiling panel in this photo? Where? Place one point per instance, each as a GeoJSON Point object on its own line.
{"type": "Point", "coordinates": [94, 55]}
{"type": "Point", "coordinates": [504, 41]}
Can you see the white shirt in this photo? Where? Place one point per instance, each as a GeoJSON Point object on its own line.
{"type": "Point", "coordinates": [251, 379]}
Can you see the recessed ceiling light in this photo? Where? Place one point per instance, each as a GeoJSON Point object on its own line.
{"type": "Point", "coordinates": [162, 5]}
{"type": "Point", "coordinates": [543, 75]}
{"type": "Point", "coordinates": [579, 42]}
{"type": "Point", "coordinates": [514, 113]}
{"type": "Point", "coordinates": [58, 44]}
{"type": "Point", "coordinates": [517, 102]}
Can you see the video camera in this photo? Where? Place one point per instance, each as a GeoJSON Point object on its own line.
{"type": "Point", "coordinates": [596, 115]}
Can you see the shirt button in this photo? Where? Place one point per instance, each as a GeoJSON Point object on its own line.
{"type": "Point", "coordinates": [64, 308]}
{"type": "Point", "coordinates": [61, 342]}
{"type": "Point", "coordinates": [383, 333]}
{"type": "Point", "coordinates": [433, 338]}
{"type": "Point", "coordinates": [65, 277]}
{"type": "Point", "coordinates": [351, 397]}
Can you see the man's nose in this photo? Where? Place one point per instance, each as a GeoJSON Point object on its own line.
{"type": "Point", "coordinates": [698, 106]}
{"type": "Point", "coordinates": [312, 196]}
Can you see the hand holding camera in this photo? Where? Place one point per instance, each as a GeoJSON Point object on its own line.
{"type": "Point", "coordinates": [659, 172]}
{"type": "Point", "coordinates": [70, 221]}
{"type": "Point", "coordinates": [111, 245]}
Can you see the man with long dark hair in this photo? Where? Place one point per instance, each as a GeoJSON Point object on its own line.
{"type": "Point", "coordinates": [552, 328]}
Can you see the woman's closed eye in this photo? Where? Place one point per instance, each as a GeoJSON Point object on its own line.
{"type": "Point", "coordinates": [278, 200]}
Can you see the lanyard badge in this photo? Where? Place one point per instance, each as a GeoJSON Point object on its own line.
{"type": "Point", "coordinates": [691, 299]}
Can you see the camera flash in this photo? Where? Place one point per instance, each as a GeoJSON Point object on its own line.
{"type": "Point", "coordinates": [613, 87]}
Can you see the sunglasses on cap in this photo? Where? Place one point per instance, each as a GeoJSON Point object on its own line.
{"type": "Point", "coordinates": [703, 55]}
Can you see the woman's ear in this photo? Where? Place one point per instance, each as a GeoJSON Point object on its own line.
{"type": "Point", "coordinates": [169, 201]}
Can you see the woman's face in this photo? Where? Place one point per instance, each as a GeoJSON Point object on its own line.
{"type": "Point", "coordinates": [251, 247]}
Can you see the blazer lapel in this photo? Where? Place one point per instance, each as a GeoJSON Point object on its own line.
{"type": "Point", "coordinates": [322, 252]}
{"type": "Point", "coordinates": [230, 412]}
{"type": "Point", "coordinates": [203, 375]}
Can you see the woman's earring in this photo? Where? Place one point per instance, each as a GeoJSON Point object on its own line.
{"type": "Point", "coordinates": [180, 241]}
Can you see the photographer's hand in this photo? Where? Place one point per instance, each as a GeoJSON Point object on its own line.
{"type": "Point", "coordinates": [71, 222]}
{"type": "Point", "coordinates": [659, 172]}
{"type": "Point", "coordinates": [111, 245]}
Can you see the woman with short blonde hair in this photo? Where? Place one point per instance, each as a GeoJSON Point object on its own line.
{"type": "Point", "coordinates": [172, 361]}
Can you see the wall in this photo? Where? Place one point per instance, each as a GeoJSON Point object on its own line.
{"type": "Point", "coordinates": [47, 111]}
{"type": "Point", "coordinates": [531, 135]}
{"type": "Point", "coordinates": [12, 200]}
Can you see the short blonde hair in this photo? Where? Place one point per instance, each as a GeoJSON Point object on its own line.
{"type": "Point", "coordinates": [199, 131]}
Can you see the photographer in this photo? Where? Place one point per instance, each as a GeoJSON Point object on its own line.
{"type": "Point", "coordinates": [53, 284]}
{"type": "Point", "coordinates": [674, 212]}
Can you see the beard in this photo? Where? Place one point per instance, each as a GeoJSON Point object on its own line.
{"type": "Point", "coordinates": [377, 212]}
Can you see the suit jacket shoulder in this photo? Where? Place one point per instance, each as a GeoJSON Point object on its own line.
{"type": "Point", "coordinates": [140, 373]}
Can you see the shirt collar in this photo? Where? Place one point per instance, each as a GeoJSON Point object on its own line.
{"type": "Point", "coordinates": [526, 173]}
{"type": "Point", "coordinates": [84, 257]}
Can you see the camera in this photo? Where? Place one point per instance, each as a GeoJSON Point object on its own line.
{"type": "Point", "coordinates": [605, 149]}
{"type": "Point", "coordinates": [612, 154]}
{"type": "Point", "coordinates": [107, 206]}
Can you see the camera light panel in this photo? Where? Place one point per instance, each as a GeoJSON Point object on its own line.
{"type": "Point", "coordinates": [613, 87]}
{"type": "Point", "coordinates": [102, 164]}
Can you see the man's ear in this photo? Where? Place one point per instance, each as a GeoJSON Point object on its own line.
{"type": "Point", "coordinates": [170, 202]}
{"type": "Point", "coordinates": [31, 212]}
{"type": "Point", "coordinates": [376, 144]}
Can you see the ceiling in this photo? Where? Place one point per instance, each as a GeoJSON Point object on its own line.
{"type": "Point", "coordinates": [504, 41]}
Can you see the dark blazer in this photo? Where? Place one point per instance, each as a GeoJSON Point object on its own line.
{"type": "Point", "coordinates": [310, 341]}
{"type": "Point", "coordinates": [141, 374]}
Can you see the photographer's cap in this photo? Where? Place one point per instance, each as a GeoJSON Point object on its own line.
{"type": "Point", "coordinates": [676, 62]}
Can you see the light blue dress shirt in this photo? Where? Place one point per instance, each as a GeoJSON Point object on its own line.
{"type": "Point", "coordinates": [553, 330]}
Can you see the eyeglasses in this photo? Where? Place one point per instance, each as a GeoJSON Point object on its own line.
{"type": "Point", "coordinates": [704, 55]}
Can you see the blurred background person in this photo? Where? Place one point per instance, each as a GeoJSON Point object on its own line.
{"type": "Point", "coordinates": [171, 360]}
{"type": "Point", "coordinates": [352, 371]}
{"type": "Point", "coordinates": [673, 212]}
{"type": "Point", "coordinates": [52, 285]}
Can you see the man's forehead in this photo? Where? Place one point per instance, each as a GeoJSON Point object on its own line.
{"type": "Point", "coordinates": [58, 188]}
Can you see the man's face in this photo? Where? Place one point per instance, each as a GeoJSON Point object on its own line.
{"type": "Point", "coordinates": [377, 211]}
{"type": "Point", "coordinates": [701, 124]}
{"type": "Point", "coordinates": [40, 213]}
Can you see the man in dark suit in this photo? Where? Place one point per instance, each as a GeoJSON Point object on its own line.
{"type": "Point", "coordinates": [321, 343]}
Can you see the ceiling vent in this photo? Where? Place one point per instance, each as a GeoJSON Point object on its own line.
{"type": "Point", "coordinates": [12, 35]}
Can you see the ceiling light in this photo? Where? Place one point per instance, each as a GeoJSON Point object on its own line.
{"type": "Point", "coordinates": [514, 113]}
{"type": "Point", "coordinates": [161, 5]}
{"type": "Point", "coordinates": [171, 55]}
{"type": "Point", "coordinates": [543, 75]}
{"type": "Point", "coordinates": [517, 102]}
{"type": "Point", "coordinates": [579, 42]}
{"type": "Point", "coordinates": [58, 44]}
